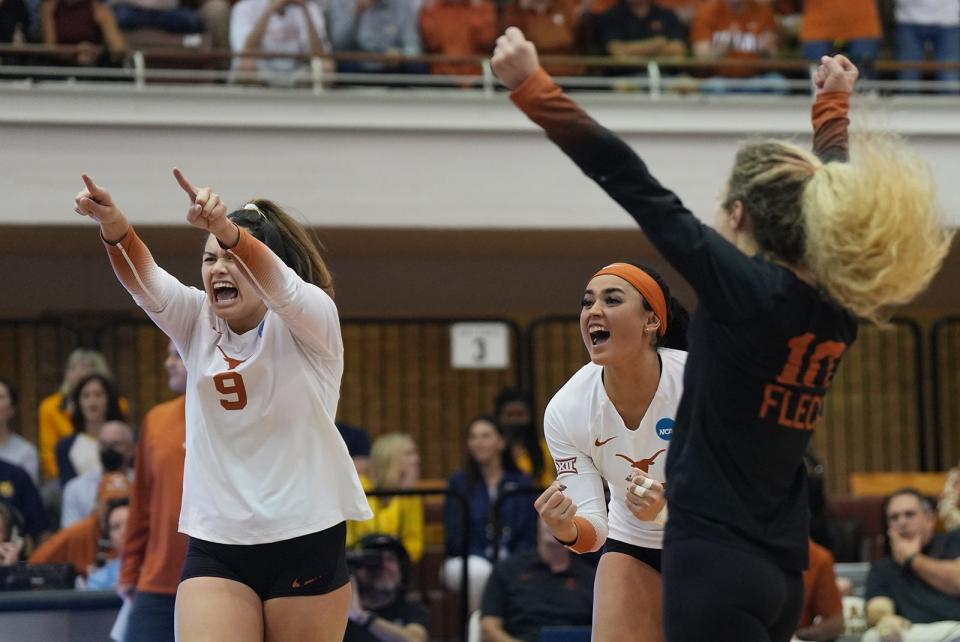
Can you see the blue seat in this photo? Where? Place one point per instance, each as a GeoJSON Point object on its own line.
{"type": "Point", "coordinates": [565, 634]}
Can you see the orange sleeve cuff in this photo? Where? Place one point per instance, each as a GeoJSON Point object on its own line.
{"type": "Point", "coordinates": [533, 88]}
{"type": "Point", "coordinates": [830, 106]}
{"type": "Point", "coordinates": [586, 536]}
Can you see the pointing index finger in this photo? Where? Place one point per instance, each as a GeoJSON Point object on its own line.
{"type": "Point", "coordinates": [185, 184]}
{"type": "Point", "coordinates": [92, 187]}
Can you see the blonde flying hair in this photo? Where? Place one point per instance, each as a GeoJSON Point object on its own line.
{"type": "Point", "coordinates": [870, 230]}
{"type": "Point", "coordinates": [385, 459]}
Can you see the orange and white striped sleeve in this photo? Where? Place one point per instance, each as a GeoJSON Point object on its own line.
{"type": "Point", "coordinates": [307, 310]}
{"type": "Point", "coordinates": [578, 472]}
{"type": "Point", "coordinates": [173, 306]}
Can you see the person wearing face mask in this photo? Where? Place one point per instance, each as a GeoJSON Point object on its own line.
{"type": "Point", "coordinates": [381, 610]}
{"type": "Point", "coordinates": [115, 444]}
{"type": "Point", "coordinates": [268, 482]}
{"type": "Point", "coordinates": [612, 423]}
{"type": "Point", "coordinates": [513, 410]}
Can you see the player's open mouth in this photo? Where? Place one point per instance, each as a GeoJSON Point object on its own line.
{"type": "Point", "coordinates": [224, 291]}
{"type": "Point", "coordinates": [598, 335]}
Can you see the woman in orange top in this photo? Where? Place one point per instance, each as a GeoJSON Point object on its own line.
{"type": "Point", "coordinates": [852, 25]}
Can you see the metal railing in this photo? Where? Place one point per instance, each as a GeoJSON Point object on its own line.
{"type": "Point", "coordinates": [654, 76]}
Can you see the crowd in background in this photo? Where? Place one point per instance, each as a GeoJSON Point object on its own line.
{"type": "Point", "coordinates": [77, 510]}
{"type": "Point", "coordinates": [726, 31]}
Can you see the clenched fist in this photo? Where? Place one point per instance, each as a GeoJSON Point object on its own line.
{"type": "Point", "coordinates": [515, 58]}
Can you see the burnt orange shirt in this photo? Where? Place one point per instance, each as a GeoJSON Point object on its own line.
{"type": "Point", "coordinates": [820, 594]}
{"type": "Point", "coordinates": [739, 32]}
{"type": "Point", "coordinates": [76, 544]}
{"type": "Point", "coordinates": [554, 31]}
{"type": "Point", "coordinates": [846, 20]}
{"type": "Point", "coordinates": [459, 29]}
{"type": "Point", "coordinates": [153, 550]}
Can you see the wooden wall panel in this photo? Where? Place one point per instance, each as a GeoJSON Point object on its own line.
{"type": "Point", "coordinates": [398, 378]}
{"type": "Point", "coordinates": [945, 354]}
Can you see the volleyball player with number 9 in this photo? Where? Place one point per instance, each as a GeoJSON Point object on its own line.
{"type": "Point", "coordinates": [268, 482]}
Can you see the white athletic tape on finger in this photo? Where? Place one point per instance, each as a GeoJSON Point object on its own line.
{"type": "Point", "coordinates": [639, 491]}
{"type": "Point", "coordinates": [647, 482]}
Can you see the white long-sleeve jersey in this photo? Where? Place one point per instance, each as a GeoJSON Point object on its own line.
{"type": "Point", "coordinates": [590, 443]}
{"type": "Point", "coordinates": [264, 460]}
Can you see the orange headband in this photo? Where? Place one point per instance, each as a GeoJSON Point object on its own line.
{"type": "Point", "coordinates": [645, 285]}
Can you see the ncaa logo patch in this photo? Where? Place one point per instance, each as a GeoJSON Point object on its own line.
{"type": "Point", "coordinates": [664, 428]}
{"type": "Point", "coordinates": [566, 466]}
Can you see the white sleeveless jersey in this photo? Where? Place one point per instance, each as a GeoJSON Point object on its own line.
{"type": "Point", "coordinates": [590, 443]}
{"type": "Point", "coordinates": [264, 460]}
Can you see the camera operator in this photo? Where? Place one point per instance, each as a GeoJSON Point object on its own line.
{"type": "Point", "coordinates": [381, 611]}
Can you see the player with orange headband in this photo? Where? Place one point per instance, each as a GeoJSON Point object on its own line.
{"type": "Point", "coordinates": [613, 421]}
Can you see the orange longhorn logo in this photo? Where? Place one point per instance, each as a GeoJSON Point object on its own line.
{"type": "Point", "coordinates": [643, 464]}
{"type": "Point", "coordinates": [231, 362]}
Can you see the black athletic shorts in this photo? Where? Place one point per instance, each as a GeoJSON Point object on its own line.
{"type": "Point", "coordinates": [313, 564]}
{"type": "Point", "coordinates": [649, 556]}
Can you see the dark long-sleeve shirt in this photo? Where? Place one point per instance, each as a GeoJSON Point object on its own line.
{"type": "Point", "coordinates": [764, 345]}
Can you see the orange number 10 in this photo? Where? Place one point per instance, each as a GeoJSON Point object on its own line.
{"type": "Point", "coordinates": [231, 384]}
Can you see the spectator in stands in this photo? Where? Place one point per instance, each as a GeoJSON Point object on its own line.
{"type": "Point", "coordinates": [552, 25]}
{"type": "Point", "coordinates": [513, 410]}
{"type": "Point", "coordinates": [95, 402]}
{"type": "Point", "coordinates": [377, 27]}
{"type": "Point", "coordinates": [641, 28]}
{"type": "Point", "coordinates": [294, 27]}
{"type": "Point", "coordinates": [105, 577]}
{"type": "Point", "coordinates": [89, 24]}
{"type": "Point", "coordinates": [394, 465]}
{"type": "Point", "coordinates": [55, 414]}
{"type": "Point", "coordinates": [171, 16]}
{"type": "Point", "coordinates": [928, 23]}
{"type": "Point", "coordinates": [949, 504]}
{"type": "Point", "coordinates": [852, 26]}
{"type": "Point", "coordinates": [458, 28]}
{"type": "Point", "coordinates": [14, 21]}
{"type": "Point", "coordinates": [358, 445]}
{"type": "Point", "coordinates": [822, 616]}
{"type": "Point", "coordinates": [381, 610]}
{"type": "Point", "coordinates": [737, 30]}
{"type": "Point", "coordinates": [153, 549]}
{"type": "Point", "coordinates": [115, 449]}
{"type": "Point", "coordinates": [488, 473]}
{"type": "Point", "coordinates": [11, 541]}
{"type": "Point", "coordinates": [14, 449]}
{"type": "Point", "coordinates": [86, 544]}
{"type": "Point", "coordinates": [920, 579]}
{"type": "Point", "coordinates": [20, 493]}
{"type": "Point", "coordinates": [546, 586]}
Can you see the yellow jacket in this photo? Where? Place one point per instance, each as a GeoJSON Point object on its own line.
{"type": "Point", "coordinates": [400, 517]}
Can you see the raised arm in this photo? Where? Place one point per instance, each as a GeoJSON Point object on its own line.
{"type": "Point", "coordinates": [309, 312]}
{"type": "Point", "coordinates": [173, 306]}
{"type": "Point", "coordinates": [719, 272]}
{"type": "Point", "coordinates": [834, 80]}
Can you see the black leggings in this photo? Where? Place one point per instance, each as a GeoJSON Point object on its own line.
{"type": "Point", "coordinates": [722, 594]}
